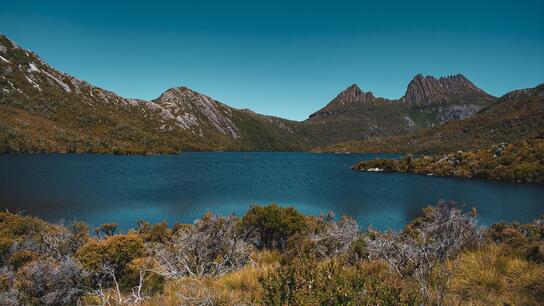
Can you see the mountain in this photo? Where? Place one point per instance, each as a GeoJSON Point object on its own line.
{"type": "Point", "coordinates": [350, 96]}
{"type": "Point", "coordinates": [518, 115]}
{"type": "Point", "coordinates": [449, 98]}
{"type": "Point", "coordinates": [425, 91]}
{"type": "Point", "coordinates": [45, 110]}
{"type": "Point", "coordinates": [355, 114]}
{"type": "Point", "coordinates": [358, 115]}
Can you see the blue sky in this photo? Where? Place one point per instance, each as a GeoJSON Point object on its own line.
{"type": "Point", "coordinates": [284, 58]}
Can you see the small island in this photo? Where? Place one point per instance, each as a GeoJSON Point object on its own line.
{"type": "Point", "coordinates": [517, 162]}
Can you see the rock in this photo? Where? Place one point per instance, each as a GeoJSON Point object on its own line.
{"type": "Point", "coordinates": [426, 91]}
{"type": "Point", "coordinates": [350, 95]}
{"type": "Point", "coordinates": [456, 112]}
{"type": "Point", "coordinates": [191, 109]}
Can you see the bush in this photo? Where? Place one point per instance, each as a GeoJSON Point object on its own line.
{"type": "Point", "coordinates": [271, 226]}
{"type": "Point", "coordinates": [51, 283]}
{"type": "Point", "coordinates": [154, 232]}
{"type": "Point", "coordinates": [213, 246]}
{"type": "Point", "coordinates": [305, 281]}
{"type": "Point", "coordinates": [439, 234]}
{"type": "Point", "coordinates": [324, 237]}
{"type": "Point", "coordinates": [116, 251]}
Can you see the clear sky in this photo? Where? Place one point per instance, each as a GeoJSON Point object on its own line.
{"type": "Point", "coordinates": [284, 58]}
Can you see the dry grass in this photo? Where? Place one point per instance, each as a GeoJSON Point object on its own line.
{"type": "Point", "coordinates": [238, 288]}
{"type": "Point", "coordinates": [493, 276]}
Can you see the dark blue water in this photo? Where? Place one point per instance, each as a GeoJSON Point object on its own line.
{"type": "Point", "coordinates": [180, 188]}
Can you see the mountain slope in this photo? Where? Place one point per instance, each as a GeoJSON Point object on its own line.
{"type": "Point", "coordinates": [44, 110]}
{"type": "Point", "coordinates": [448, 98]}
{"type": "Point", "coordinates": [354, 114]}
{"type": "Point", "coordinates": [516, 116]}
{"type": "Point", "coordinates": [358, 115]}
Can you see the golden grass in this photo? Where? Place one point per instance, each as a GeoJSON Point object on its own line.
{"type": "Point", "coordinates": [238, 288]}
{"type": "Point", "coordinates": [494, 276]}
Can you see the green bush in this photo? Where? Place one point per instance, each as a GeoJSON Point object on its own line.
{"type": "Point", "coordinates": [117, 251]}
{"type": "Point", "coordinates": [273, 225]}
{"type": "Point", "coordinates": [305, 281]}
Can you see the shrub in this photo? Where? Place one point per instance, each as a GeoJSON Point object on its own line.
{"type": "Point", "coordinates": [20, 258]}
{"type": "Point", "coordinates": [116, 251]}
{"type": "Point", "coordinates": [213, 246]}
{"type": "Point", "coordinates": [107, 229]}
{"type": "Point", "coordinates": [154, 232]}
{"type": "Point", "coordinates": [271, 226]}
{"type": "Point", "coordinates": [50, 282]}
{"type": "Point", "coordinates": [324, 237]}
{"type": "Point", "coordinates": [305, 281]}
{"type": "Point", "coordinates": [439, 234]}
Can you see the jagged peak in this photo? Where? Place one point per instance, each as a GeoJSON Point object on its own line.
{"type": "Point", "coordinates": [181, 92]}
{"type": "Point", "coordinates": [451, 77]}
{"type": "Point", "coordinates": [353, 94]}
{"type": "Point", "coordinates": [353, 87]}
{"type": "Point", "coordinates": [426, 90]}
{"type": "Point", "coordinates": [349, 96]}
{"type": "Point", "coordinates": [180, 89]}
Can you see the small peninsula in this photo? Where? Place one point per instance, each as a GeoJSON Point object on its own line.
{"type": "Point", "coordinates": [517, 162]}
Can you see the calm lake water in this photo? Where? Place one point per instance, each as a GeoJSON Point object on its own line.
{"type": "Point", "coordinates": [180, 188]}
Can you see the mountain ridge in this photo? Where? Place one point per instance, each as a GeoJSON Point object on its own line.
{"type": "Point", "coordinates": [46, 110]}
{"type": "Point", "coordinates": [517, 115]}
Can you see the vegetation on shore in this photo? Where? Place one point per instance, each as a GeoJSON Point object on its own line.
{"type": "Point", "coordinates": [273, 256]}
{"type": "Point", "coordinates": [517, 162]}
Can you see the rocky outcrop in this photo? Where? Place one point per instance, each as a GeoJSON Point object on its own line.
{"type": "Point", "coordinates": [450, 98]}
{"type": "Point", "coordinates": [424, 91]}
{"type": "Point", "coordinates": [191, 110]}
{"type": "Point", "coordinates": [456, 112]}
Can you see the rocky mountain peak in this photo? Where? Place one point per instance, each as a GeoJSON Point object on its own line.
{"type": "Point", "coordinates": [352, 94]}
{"type": "Point", "coordinates": [349, 96]}
{"type": "Point", "coordinates": [428, 90]}
{"type": "Point", "coordinates": [191, 109]}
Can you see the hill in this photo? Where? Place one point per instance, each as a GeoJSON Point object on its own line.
{"type": "Point", "coordinates": [44, 110]}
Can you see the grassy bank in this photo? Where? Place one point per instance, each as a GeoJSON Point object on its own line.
{"type": "Point", "coordinates": [273, 256]}
{"type": "Point", "coordinates": [517, 162]}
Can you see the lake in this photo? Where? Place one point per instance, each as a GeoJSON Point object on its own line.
{"type": "Point", "coordinates": [180, 188]}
